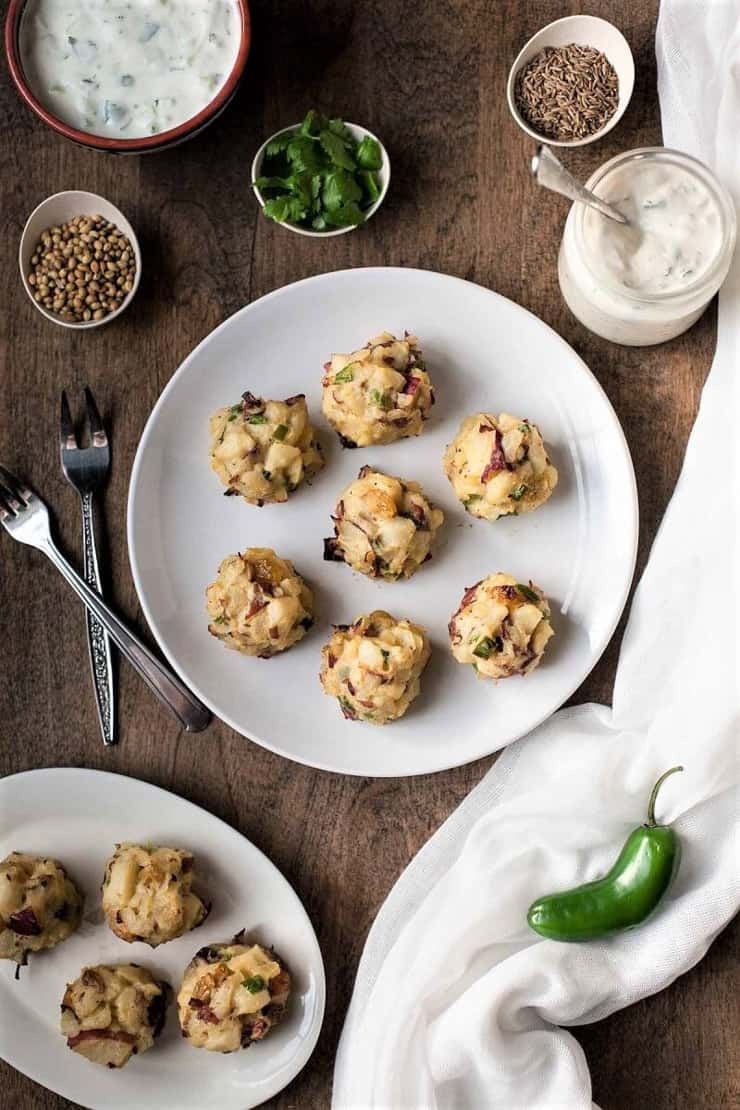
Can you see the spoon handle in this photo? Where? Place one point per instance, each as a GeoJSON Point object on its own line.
{"type": "Point", "coordinates": [552, 174]}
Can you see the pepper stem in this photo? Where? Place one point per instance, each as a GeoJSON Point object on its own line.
{"type": "Point", "coordinates": [654, 794]}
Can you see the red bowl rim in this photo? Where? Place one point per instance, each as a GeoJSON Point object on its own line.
{"type": "Point", "coordinates": [100, 142]}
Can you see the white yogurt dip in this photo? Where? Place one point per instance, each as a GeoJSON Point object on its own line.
{"type": "Point", "coordinates": [131, 69]}
{"type": "Point", "coordinates": [647, 281]}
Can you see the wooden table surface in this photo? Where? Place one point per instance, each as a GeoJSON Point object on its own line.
{"type": "Point", "coordinates": [430, 79]}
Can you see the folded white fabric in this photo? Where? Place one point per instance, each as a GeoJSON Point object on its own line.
{"type": "Point", "coordinates": [457, 1004]}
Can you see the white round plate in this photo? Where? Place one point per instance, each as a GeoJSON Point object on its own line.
{"type": "Point", "coordinates": [77, 816]}
{"type": "Point", "coordinates": [483, 353]}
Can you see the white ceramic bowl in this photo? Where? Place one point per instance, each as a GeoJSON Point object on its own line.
{"type": "Point", "coordinates": [56, 210]}
{"type": "Point", "coordinates": [585, 30]}
{"type": "Point", "coordinates": [358, 133]}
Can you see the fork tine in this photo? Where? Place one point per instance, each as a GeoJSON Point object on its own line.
{"type": "Point", "coordinates": [5, 511]}
{"type": "Point", "coordinates": [67, 428]}
{"type": "Point", "coordinates": [13, 507]}
{"type": "Point", "coordinates": [97, 431]}
{"type": "Point", "coordinates": [17, 490]}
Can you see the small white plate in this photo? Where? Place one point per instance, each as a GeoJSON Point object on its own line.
{"type": "Point", "coordinates": [484, 353]}
{"type": "Point", "coordinates": [59, 209]}
{"type": "Point", "coordinates": [77, 816]}
{"type": "Point", "coordinates": [358, 134]}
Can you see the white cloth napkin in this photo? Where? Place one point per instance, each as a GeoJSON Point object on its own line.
{"type": "Point", "coordinates": [456, 1003]}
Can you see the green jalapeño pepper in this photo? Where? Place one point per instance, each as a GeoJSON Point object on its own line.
{"type": "Point", "coordinates": [624, 897]}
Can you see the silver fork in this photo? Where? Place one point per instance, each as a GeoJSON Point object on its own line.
{"type": "Point", "coordinates": [86, 469]}
{"type": "Point", "coordinates": [25, 517]}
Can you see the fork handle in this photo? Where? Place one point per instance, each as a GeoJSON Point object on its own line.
{"type": "Point", "coordinates": [190, 712]}
{"type": "Point", "coordinates": [98, 640]}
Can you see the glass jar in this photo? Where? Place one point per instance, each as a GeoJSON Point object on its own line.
{"type": "Point", "coordinates": [644, 283]}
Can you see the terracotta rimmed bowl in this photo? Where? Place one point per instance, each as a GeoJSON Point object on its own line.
{"type": "Point", "coordinates": [143, 144]}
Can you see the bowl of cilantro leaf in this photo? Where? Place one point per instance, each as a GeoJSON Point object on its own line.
{"type": "Point", "coordinates": [322, 176]}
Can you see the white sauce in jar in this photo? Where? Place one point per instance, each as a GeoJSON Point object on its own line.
{"type": "Point", "coordinates": [127, 70]}
{"type": "Point", "coordinates": [647, 281]}
{"type": "Point", "coordinates": [674, 233]}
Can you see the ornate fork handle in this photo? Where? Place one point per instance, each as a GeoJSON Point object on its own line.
{"type": "Point", "coordinates": [191, 713]}
{"type": "Point", "coordinates": [98, 641]}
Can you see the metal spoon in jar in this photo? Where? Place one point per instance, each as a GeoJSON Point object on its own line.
{"type": "Point", "coordinates": [548, 171]}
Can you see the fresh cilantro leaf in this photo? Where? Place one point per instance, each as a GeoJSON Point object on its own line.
{"type": "Point", "coordinates": [300, 186]}
{"type": "Point", "coordinates": [368, 154]}
{"type": "Point", "coordinates": [518, 493]}
{"type": "Point", "coordinates": [340, 188]}
{"type": "Point", "coordinates": [272, 183]}
{"type": "Point", "coordinates": [370, 185]}
{"type": "Point", "coordinates": [285, 208]}
{"type": "Point", "coordinates": [304, 155]}
{"type": "Point", "coordinates": [313, 123]}
{"type": "Point", "coordinates": [349, 215]}
{"type": "Point", "coordinates": [337, 150]}
{"type": "Point", "coordinates": [278, 145]}
{"type": "Point", "coordinates": [318, 175]}
{"type": "Point", "coordinates": [339, 127]}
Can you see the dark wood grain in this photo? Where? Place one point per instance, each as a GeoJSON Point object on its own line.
{"type": "Point", "coordinates": [429, 78]}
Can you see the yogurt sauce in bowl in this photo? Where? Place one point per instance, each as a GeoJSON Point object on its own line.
{"type": "Point", "coordinates": [128, 69]}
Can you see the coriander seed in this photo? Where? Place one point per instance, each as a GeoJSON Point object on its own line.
{"type": "Point", "coordinates": [82, 270]}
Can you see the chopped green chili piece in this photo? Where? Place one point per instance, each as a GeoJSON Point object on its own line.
{"type": "Point", "coordinates": [382, 400]}
{"type": "Point", "coordinates": [257, 418]}
{"type": "Point", "coordinates": [254, 984]}
{"type": "Point", "coordinates": [281, 432]}
{"type": "Point", "coordinates": [518, 493]}
{"type": "Point", "coordinates": [485, 646]}
{"type": "Point", "coordinates": [346, 374]}
{"type": "Point", "coordinates": [529, 593]}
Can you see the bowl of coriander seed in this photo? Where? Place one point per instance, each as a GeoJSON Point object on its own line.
{"type": "Point", "coordinates": [572, 82]}
{"type": "Point", "coordinates": [79, 259]}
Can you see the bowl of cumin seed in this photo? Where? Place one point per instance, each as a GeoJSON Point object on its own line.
{"type": "Point", "coordinates": [572, 82]}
